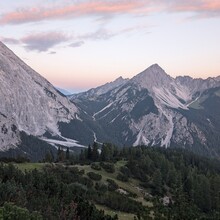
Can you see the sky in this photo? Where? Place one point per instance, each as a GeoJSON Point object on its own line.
{"type": "Point", "coordinates": [81, 44]}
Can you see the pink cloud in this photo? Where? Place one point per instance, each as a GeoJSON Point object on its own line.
{"type": "Point", "coordinates": [196, 5]}
{"type": "Point", "coordinates": [80, 9]}
{"type": "Point", "coordinates": [107, 8]}
{"type": "Point", "coordinates": [204, 5]}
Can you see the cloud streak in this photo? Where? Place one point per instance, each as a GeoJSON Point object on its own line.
{"type": "Point", "coordinates": [196, 5]}
{"type": "Point", "coordinates": [105, 34]}
{"type": "Point", "coordinates": [97, 8]}
{"type": "Point", "coordinates": [43, 41]}
{"type": "Point", "coordinates": [109, 8]}
{"type": "Point", "coordinates": [10, 40]}
{"type": "Point", "coordinates": [77, 44]}
{"type": "Point", "coordinates": [201, 8]}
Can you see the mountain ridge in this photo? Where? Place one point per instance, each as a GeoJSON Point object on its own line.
{"type": "Point", "coordinates": [152, 109]}
{"type": "Point", "coordinates": [30, 103]}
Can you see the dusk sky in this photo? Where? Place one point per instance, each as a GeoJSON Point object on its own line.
{"type": "Point", "coordinates": [81, 44]}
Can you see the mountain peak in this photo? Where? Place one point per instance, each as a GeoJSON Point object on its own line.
{"type": "Point", "coordinates": [155, 68]}
{"type": "Point", "coordinates": [119, 78]}
{"type": "Point", "coordinates": [155, 65]}
{"type": "Point", "coordinates": [30, 102]}
{"type": "Point", "coordinates": [152, 76]}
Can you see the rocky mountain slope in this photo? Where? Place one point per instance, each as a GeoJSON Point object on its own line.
{"type": "Point", "coordinates": [29, 102]}
{"type": "Point", "coordinates": [154, 109]}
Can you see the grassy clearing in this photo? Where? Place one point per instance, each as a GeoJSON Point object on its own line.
{"type": "Point", "coordinates": [128, 186]}
{"type": "Point", "coordinates": [120, 163]}
{"type": "Point", "coordinates": [144, 202]}
{"type": "Point", "coordinates": [198, 104]}
{"type": "Point", "coordinates": [121, 215]}
{"type": "Point", "coordinates": [29, 166]}
{"type": "Point", "coordinates": [131, 186]}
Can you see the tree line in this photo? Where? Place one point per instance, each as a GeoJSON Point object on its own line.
{"type": "Point", "coordinates": [60, 190]}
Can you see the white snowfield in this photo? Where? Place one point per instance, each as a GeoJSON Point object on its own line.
{"type": "Point", "coordinates": [66, 143]}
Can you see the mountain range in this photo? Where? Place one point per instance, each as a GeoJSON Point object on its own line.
{"type": "Point", "coordinates": [152, 109]}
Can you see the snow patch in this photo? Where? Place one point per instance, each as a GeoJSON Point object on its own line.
{"type": "Point", "coordinates": [114, 118]}
{"type": "Point", "coordinates": [168, 99]}
{"type": "Point", "coordinates": [103, 109]}
{"type": "Point", "coordinates": [67, 143]}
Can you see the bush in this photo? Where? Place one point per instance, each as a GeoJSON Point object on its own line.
{"type": "Point", "coordinates": [101, 187]}
{"type": "Point", "coordinates": [125, 171]}
{"type": "Point", "coordinates": [108, 167]}
{"type": "Point", "coordinates": [96, 166]}
{"type": "Point", "coordinates": [94, 176]}
{"type": "Point", "coordinates": [112, 185]}
{"type": "Point", "coordinates": [122, 177]}
{"type": "Point", "coordinates": [86, 181]}
{"type": "Point", "coordinates": [11, 211]}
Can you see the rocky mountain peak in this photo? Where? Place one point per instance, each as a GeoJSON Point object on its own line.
{"type": "Point", "coordinates": [119, 79]}
{"type": "Point", "coordinates": [198, 84]}
{"type": "Point", "coordinates": [29, 102]}
{"type": "Point", "coordinates": [153, 76]}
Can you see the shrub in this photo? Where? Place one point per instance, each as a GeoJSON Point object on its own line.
{"type": "Point", "coordinates": [96, 166]}
{"type": "Point", "coordinates": [112, 185]}
{"type": "Point", "coordinates": [125, 171]}
{"type": "Point", "coordinates": [101, 187]}
{"type": "Point", "coordinates": [108, 167]}
{"type": "Point", "coordinates": [94, 176]}
{"type": "Point", "coordinates": [122, 177]}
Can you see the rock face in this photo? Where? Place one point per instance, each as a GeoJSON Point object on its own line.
{"type": "Point", "coordinates": [154, 109]}
{"type": "Point", "coordinates": [29, 102]}
{"type": "Point", "coordinates": [150, 109]}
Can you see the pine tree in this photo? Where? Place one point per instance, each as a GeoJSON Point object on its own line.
{"type": "Point", "coordinates": [89, 153]}
{"type": "Point", "coordinates": [49, 157]}
{"type": "Point", "coordinates": [82, 155]}
{"type": "Point", "coordinates": [58, 153]}
{"type": "Point", "coordinates": [95, 152]}
{"type": "Point", "coordinates": [105, 153]}
{"type": "Point", "coordinates": [67, 153]}
{"type": "Point", "coordinates": [157, 182]}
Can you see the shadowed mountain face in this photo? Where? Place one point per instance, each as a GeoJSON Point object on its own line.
{"type": "Point", "coordinates": [154, 109]}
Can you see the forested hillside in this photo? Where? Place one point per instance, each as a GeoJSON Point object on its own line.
{"type": "Point", "coordinates": [128, 183]}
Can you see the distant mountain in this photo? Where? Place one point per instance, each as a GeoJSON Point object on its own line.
{"type": "Point", "coordinates": [153, 109]}
{"type": "Point", "coordinates": [63, 91]}
{"type": "Point", "coordinates": [29, 104]}
{"type": "Point", "coordinates": [95, 92]}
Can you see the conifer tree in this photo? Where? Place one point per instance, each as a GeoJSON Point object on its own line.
{"type": "Point", "coordinates": [95, 152]}
{"type": "Point", "coordinates": [89, 153]}
{"type": "Point", "coordinates": [67, 153]}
